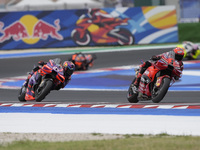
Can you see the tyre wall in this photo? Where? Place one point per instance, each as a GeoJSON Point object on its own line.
{"type": "Point", "coordinates": [71, 28]}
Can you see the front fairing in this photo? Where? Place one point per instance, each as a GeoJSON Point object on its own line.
{"type": "Point", "coordinates": [159, 80]}
{"type": "Point", "coordinates": [53, 70]}
{"type": "Point", "coordinates": [147, 78]}
{"type": "Point", "coordinates": [154, 75]}
{"type": "Point", "coordinates": [151, 72]}
{"type": "Point", "coordinates": [60, 77]}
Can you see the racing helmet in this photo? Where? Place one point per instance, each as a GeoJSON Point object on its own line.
{"type": "Point", "coordinates": [179, 53]}
{"type": "Point", "coordinates": [68, 68]}
{"type": "Point", "coordinates": [195, 46]}
{"type": "Point", "coordinates": [92, 11]}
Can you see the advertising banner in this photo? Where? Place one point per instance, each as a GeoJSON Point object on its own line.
{"type": "Point", "coordinates": [88, 27]}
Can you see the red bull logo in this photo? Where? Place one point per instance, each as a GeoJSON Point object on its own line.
{"type": "Point", "coordinates": [30, 29]}
{"type": "Point", "coordinates": [16, 30]}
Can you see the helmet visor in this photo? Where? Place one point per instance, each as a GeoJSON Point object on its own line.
{"type": "Point", "coordinates": [178, 57]}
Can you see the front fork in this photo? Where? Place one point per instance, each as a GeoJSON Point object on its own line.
{"type": "Point", "coordinates": [159, 80]}
{"type": "Point", "coordinates": [159, 83]}
{"type": "Point", "coordinates": [43, 83]}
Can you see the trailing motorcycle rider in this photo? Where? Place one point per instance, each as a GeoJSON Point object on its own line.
{"type": "Point", "coordinates": [192, 51]}
{"type": "Point", "coordinates": [82, 61]}
{"type": "Point", "coordinates": [177, 53]}
{"type": "Point", "coordinates": [35, 75]}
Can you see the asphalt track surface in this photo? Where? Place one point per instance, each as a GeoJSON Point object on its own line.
{"type": "Point", "coordinates": [11, 67]}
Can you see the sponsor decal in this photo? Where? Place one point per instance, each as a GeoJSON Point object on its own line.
{"type": "Point", "coordinates": [30, 30]}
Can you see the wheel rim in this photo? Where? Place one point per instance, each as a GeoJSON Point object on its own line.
{"type": "Point", "coordinates": [130, 93]}
{"type": "Point", "coordinates": [129, 40]}
{"type": "Point", "coordinates": [81, 41]}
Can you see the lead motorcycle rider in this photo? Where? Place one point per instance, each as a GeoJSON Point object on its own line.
{"type": "Point", "coordinates": [68, 69]}
{"type": "Point", "coordinates": [177, 53]}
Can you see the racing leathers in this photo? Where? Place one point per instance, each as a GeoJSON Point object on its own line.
{"type": "Point", "coordinates": [192, 51]}
{"type": "Point", "coordinates": [147, 64]}
{"type": "Point", "coordinates": [82, 61]}
{"type": "Point", "coordinates": [35, 77]}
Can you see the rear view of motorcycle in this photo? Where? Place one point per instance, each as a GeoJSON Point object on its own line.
{"type": "Point", "coordinates": [155, 81]}
{"type": "Point", "coordinates": [51, 75]}
{"type": "Point", "coordinates": [82, 61]}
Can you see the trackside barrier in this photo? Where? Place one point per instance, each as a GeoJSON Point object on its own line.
{"type": "Point", "coordinates": [88, 27]}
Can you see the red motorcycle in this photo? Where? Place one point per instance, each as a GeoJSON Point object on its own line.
{"type": "Point", "coordinates": [155, 81]}
{"type": "Point", "coordinates": [101, 33]}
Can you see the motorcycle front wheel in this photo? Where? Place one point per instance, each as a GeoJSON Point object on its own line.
{"type": "Point", "coordinates": [82, 41]}
{"type": "Point", "coordinates": [161, 92]}
{"type": "Point", "coordinates": [131, 96]}
{"type": "Point", "coordinates": [43, 90]}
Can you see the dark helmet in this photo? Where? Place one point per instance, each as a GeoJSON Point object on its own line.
{"type": "Point", "coordinates": [68, 68]}
{"type": "Point", "coordinates": [179, 53]}
{"type": "Point", "coordinates": [92, 11]}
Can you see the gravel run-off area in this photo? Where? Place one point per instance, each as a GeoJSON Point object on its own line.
{"type": "Point", "coordinates": [54, 137]}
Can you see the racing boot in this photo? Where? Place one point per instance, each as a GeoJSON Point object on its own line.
{"type": "Point", "coordinates": [25, 84]}
{"type": "Point", "coordinates": [29, 97]}
{"type": "Point", "coordinates": [29, 91]}
{"type": "Point", "coordinates": [137, 80]}
{"type": "Point", "coordinates": [29, 94]}
{"type": "Point", "coordinates": [135, 85]}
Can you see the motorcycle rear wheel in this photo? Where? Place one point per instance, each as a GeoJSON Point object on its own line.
{"type": "Point", "coordinates": [131, 96]}
{"type": "Point", "coordinates": [126, 33]}
{"type": "Point", "coordinates": [162, 90]}
{"type": "Point", "coordinates": [42, 92]}
{"type": "Point", "coordinates": [22, 93]}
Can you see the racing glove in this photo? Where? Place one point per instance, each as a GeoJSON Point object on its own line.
{"type": "Point", "coordinates": [154, 57]}
{"type": "Point", "coordinates": [176, 78]}
{"type": "Point", "coordinates": [41, 63]}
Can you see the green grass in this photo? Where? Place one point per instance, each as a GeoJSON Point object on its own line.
{"type": "Point", "coordinates": [189, 32]}
{"type": "Point", "coordinates": [132, 142]}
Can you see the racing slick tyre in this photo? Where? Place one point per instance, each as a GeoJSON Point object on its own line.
{"type": "Point", "coordinates": [22, 93]}
{"type": "Point", "coordinates": [43, 90]}
{"type": "Point", "coordinates": [131, 95]}
{"type": "Point", "coordinates": [81, 41]}
{"type": "Point", "coordinates": [161, 92]}
{"type": "Point", "coordinates": [128, 37]}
